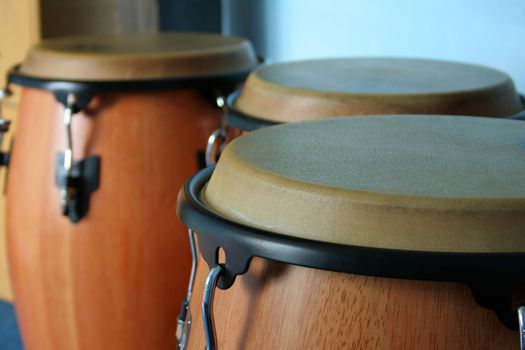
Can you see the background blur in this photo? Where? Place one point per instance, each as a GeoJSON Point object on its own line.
{"type": "Point", "coordinates": [487, 32]}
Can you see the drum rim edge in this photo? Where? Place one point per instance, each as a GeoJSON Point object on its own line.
{"type": "Point", "coordinates": [240, 120]}
{"type": "Point", "coordinates": [14, 76]}
{"type": "Point", "coordinates": [492, 277]}
{"type": "Point", "coordinates": [245, 122]}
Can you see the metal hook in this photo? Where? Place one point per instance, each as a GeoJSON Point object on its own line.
{"type": "Point", "coordinates": [215, 141]}
{"type": "Point", "coordinates": [207, 306]}
{"type": "Point", "coordinates": [4, 125]}
{"type": "Point", "coordinates": [217, 138]}
{"type": "Point", "coordinates": [521, 319]}
{"type": "Point", "coordinates": [184, 320]}
{"type": "Point", "coordinates": [66, 190]}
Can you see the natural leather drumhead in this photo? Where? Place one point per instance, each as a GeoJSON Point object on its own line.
{"type": "Point", "coordinates": [307, 90]}
{"type": "Point", "coordinates": [429, 183]}
{"type": "Point", "coordinates": [138, 57]}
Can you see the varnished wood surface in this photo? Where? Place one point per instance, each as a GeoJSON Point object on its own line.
{"type": "Point", "coordinates": [116, 279]}
{"type": "Point", "coordinates": [277, 306]}
{"type": "Point", "coordinates": [20, 21]}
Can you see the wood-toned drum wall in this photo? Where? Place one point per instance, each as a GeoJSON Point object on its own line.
{"type": "Point", "coordinates": [33, 19]}
{"type": "Point", "coordinates": [20, 22]}
{"type": "Point", "coordinates": [279, 306]}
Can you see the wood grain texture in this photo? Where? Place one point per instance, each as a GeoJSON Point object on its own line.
{"type": "Point", "coordinates": [116, 279]}
{"type": "Point", "coordinates": [278, 306]}
{"type": "Point", "coordinates": [20, 21]}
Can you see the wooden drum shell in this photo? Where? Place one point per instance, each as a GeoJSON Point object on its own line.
{"type": "Point", "coordinates": [116, 279]}
{"type": "Point", "coordinates": [280, 306]}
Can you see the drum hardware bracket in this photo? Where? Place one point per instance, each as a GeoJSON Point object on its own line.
{"type": "Point", "coordinates": [76, 179]}
{"type": "Point", "coordinates": [80, 183]}
{"type": "Point", "coordinates": [207, 306]}
{"type": "Point", "coordinates": [81, 99]}
{"type": "Point", "coordinates": [521, 317]}
{"type": "Point", "coordinates": [4, 126]}
{"type": "Point", "coordinates": [216, 142]}
{"type": "Point", "coordinates": [184, 319]}
{"type": "Point", "coordinates": [217, 139]}
{"type": "Point", "coordinates": [500, 297]}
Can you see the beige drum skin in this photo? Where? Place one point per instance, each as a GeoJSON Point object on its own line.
{"type": "Point", "coordinates": [316, 89]}
{"type": "Point", "coordinates": [305, 90]}
{"type": "Point", "coordinates": [419, 183]}
{"type": "Point", "coordinates": [115, 279]}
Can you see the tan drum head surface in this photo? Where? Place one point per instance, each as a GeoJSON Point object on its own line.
{"type": "Point", "coordinates": [138, 56]}
{"type": "Point", "coordinates": [306, 90]}
{"type": "Point", "coordinates": [429, 183]}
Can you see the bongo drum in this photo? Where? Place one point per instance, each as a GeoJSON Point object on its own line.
{"type": "Point", "coordinates": [306, 90]}
{"type": "Point", "coordinates": [109, 129]}
{"type": "Point", "coordinates": [396, 232]}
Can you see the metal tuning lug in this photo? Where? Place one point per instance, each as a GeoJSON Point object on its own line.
{"type": "Point", "coordinates": [184, 319]}
{"type": "Point", "coordinates": [4, 127]}
{"type": "Point", "coordinates": [75, 179]}
{"type": "Point", "coordinates": [521, 322]}
{"type": "Point", "coordinates": [217, 139]}
{"type": "Point", "coordinates": [207, 306]}
{"type": "Point", "coordinates": [216, 142]}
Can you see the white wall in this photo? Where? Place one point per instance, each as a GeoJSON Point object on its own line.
{"type": "Point", "coordinates": [489, 32]}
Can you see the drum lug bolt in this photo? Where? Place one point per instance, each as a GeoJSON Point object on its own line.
{"type": "Point", "coordinates": [521, 320]}
{"type": "Point", "coordinates": [207, 306]}
{"type": "Point", "coordinates": [4, 127]}
{"type": "Point", "coordinates": [216, 142]}
{"type": "Point", "coordinates": [184, 319]}
{"type": "Point", "coordinates": [76, 179]}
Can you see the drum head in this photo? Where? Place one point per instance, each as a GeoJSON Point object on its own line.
{"type": "Point", "coordinates": [125, 57]}
{"type": "Point", "coordinates": [423, 183]}
{"type": "Point", "coordinates": [307, 90]}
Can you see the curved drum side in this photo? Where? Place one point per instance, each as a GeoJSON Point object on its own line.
{"type": "Point", "coordinates": [280, 306]}
{"type": "Point", "coordinates": [116, 279]}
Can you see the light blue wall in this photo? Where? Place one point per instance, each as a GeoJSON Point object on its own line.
{"type": "Point", "coordinates": [489, 32]}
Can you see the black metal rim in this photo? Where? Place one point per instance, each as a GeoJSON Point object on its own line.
{"type": "Point", "coordinates": [495, 279]}
{"type": "Point", "coordinates": [245, 122]}
{"type": "Point", "coordinates": [228, 80]}
{"type": "Point", "coordinates": [240, 120]}
{"type": "Point", "coordinates": [436, 266]}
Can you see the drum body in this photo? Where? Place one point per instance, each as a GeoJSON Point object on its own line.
{"type": "Point", "coordinates": [397, 232]}
{"type": "Point", "coordinates": [280, 306]}
{"type": "Point", "coordinates": [114, 279]}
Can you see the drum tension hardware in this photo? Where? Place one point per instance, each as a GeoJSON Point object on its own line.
{"type": "Point", "coordinates": [79, 179]}
{"type": "Point", "coordinates": [4, 126]}
{"type": "Point", "coordinates": [184, 319]}
{"type": "Point", "coordinates": [521, 317]}
{"type": "Point", "coordinates": [494, 279]}
{"type": "Point", "coordinates": [217, 140]}
{"type": "Point", "coordinates": [76, 179]}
